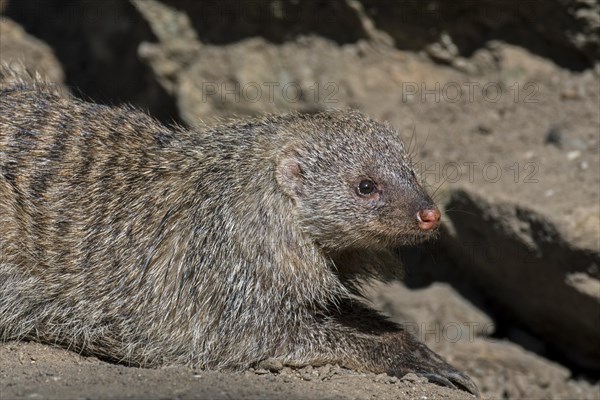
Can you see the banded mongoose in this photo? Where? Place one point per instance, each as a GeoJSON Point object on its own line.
{"type": "Point", "coordinates": [214, 247]}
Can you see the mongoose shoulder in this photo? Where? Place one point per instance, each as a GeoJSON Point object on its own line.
{"type": "Point", "coordinates": [218, 247]}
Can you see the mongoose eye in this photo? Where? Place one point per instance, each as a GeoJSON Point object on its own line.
{"type": "Point", "coordinates": [366, 187]}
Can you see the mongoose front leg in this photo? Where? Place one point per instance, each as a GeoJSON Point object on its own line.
{"type": "Point", "coordinates": [357, 337]}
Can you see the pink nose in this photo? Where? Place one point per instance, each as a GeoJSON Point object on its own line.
{"type": "Point", "coordinates": [429, 219]}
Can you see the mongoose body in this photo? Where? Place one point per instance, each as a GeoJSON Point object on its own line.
{"type": "Point", "coordinates": [218, 247]}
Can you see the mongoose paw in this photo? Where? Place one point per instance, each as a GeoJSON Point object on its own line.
{"type": "Point", "coordinates": [452, 379]}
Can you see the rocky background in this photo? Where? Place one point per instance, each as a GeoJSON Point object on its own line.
{"type": "Point", "coordinates": [499, 101]}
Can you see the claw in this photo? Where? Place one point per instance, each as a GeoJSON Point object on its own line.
{"type": "Point", "coordinates": [454, 380]}
{"type": "Point", "coordinates": [438, 380]}
{"type": "Point", "coordinates": [463, 382]}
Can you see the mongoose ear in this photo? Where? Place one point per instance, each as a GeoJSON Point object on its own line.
{"type": "Point", "coordinates": [289, 176]}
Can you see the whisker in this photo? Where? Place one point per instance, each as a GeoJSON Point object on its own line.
{"type": "Point", "coordinates": [439, 186]}
{"type": "Point", "coordinates": [456, 210]}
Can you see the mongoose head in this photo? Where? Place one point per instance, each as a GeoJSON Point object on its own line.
{"type": "Point", "coordinates": [352, 183]}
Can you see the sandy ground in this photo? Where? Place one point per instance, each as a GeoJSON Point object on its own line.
{"type": "Point", "coordinates": [34, 371]}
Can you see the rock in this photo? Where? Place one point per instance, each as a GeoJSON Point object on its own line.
{"type": "Point", "coordinates": [555, 136]}
{"type": "Point", "coordinates": [525, 264]}
{"type": "Point", "coordinates": [96, 43]}
{"type": "Point", "coordinates": [21, 50]}
{"type": "Point", "coordinates": [504, 370]}
{"type": "Point", "coordinates": [248, 78]}
{"type": "Point", "coordinates": [443, 50]}
{"type": "Point", "coordinates": [413, 26]}
{"type": "Point", "coordinates": [484, 129]}
{"type": "Point", "coordinates": [385, 378]}
{"type": "Point", "coordinates": [410, 377]}
{"type": "Point", "coordinates": [261, 371]}
{"type": "Point", "coordinates": [271, 364]}
{"type": "Point", "coordinates": [437, 315]}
